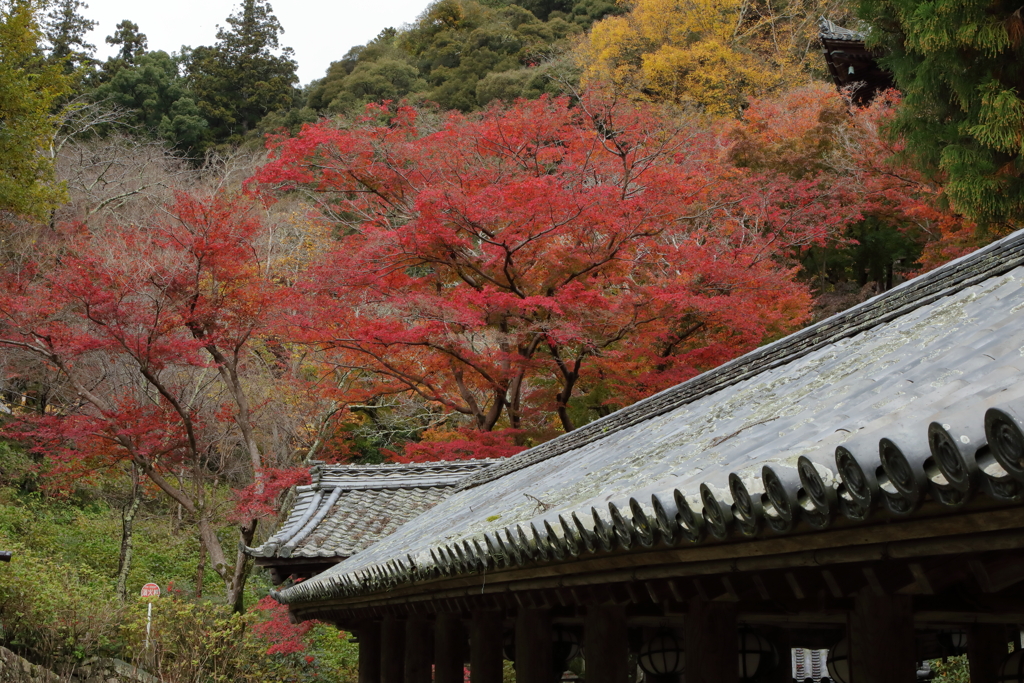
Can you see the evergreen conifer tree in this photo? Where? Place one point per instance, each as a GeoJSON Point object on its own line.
{"type": "Point", "coordinates": [131, 44]}
{"type": "Point", "coordinates": [65, 28]}
{"type": "Point", "coordinates": [240, 80]}
{"type": "Point", "coordinates": [960, 66]}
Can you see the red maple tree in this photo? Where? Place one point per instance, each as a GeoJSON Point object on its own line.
{"type": "Point", "coordinates": [153, 327]}
{"type": "Point", "coordinates": [510, 265]}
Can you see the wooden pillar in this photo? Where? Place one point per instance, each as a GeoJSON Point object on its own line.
{"type": "Point", "coordinates": [449, 648]}
{"type": "Point", "coordinates": [485, 642]}
{"type": "Point", "coordinates": [712, 643]}
{"type": "Point", "coordinates": [533, 647]}
{"type": "Point", "coordinates": [986, 650]}
{"type": "Point", "coordinates": [419, 650]}
{"type": "Point", "coordinates": [392, 650]}
{"type": "Point", "coordinates": [369, 652]}
{"type": "Point", "coordinates": [783, 672]}
{"type": "Point", "coordinates": [606, 644]}
{"type": "Point", "coordinates": [881, 630]}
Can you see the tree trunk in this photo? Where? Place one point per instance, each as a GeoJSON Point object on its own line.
{"type": "Point", "coordinates": [200, 570]}
{"type": "Point", "coordinates": [235, 579]}
{"type": "Point", "coordinates": [124, 560]}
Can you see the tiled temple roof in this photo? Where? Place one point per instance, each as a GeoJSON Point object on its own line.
{"type": "Point", "coordinates": [348, 508]}
{"type": "Point", "coordinates": [912, 397]}
{"type": "Point", "coordinates": [829, 30]}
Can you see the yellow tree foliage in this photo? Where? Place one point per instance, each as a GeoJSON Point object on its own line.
{"type": "Point", "coordinates": [708, 54]}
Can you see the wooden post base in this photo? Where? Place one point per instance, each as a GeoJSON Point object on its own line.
{"type": "Point", "coordinates": [369, 652]}
{"type": "Point", "coordinates": [392, 650]}
{"type": "Point", "coordinates": [419, 650]}
{"type": "Point", "coordinates": [533, 647]}
{"type": "Point", "coordinates": [881, 629]}
{"type": "Point", "coordinates": [712, 643]}
{"type": "Point", "coordinates": [449, 648]}
{"type": "Point", "coordinates": [485, 643]}
{"type": "Point", "coordinates": [606, 644]}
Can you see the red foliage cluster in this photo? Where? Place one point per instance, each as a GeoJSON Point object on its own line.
{"type": "Point", "coordinates": [281, 635]}
{"type": "Point", "coordinates": [263, 497]}
{"type": "Point", "coordinates": [190, 294]}
{"type": "Point", "coordinates": [465, 444]}
{"type": "Point", "coordinates": [815, 131]}
{"type": "Point", "coordinates": [507, 263]}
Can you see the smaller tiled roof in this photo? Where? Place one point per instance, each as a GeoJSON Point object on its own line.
{"type": "Point", "coordinates": [829, 30]}
{"type": "Point", "coordinates": [348, 508]}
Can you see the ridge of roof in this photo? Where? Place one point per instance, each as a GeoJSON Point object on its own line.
{"type": "Point", "coordinates": [399, 467]}
{"type": "Point", "coordinates": [991, 260]}
{"type": "Point", "coordinates": [396, 475]}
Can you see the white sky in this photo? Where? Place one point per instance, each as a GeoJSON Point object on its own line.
{"type": "Point", "coordinates": [319, 31]}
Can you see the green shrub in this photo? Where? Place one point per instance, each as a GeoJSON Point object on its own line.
{"type": "Point", "coordinates": [952, 670]}
{"type": "Point", "coordinates": [199, 642]}
{"type": "Point", "coordinates": [335, 656]}
{"type": "Point", "coordinates": [54, 614]}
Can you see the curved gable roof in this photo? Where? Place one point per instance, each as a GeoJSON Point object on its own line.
{"type": "Point", "coordinates": [348, 508]}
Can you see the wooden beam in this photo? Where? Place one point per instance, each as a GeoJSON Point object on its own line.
{"type": "Point", "coordinates": [930, 617]}
{"type": "Point", "coordinates": [762, 588]}
{"type": "Point", "coordinates": [999, 575]}
{"type": "Point", "coordinates": [980, 572]}
{"type": "Point", "coordinates": [369, 652]}
{"type": "Point", "coordinates": [833, 584]}
{"type": "Point", "coordinates": [392, 650]}
{"type": "Point", "coordinates": [794, 585]}
{"type": "Point", "coordinates": [485, 643]}
{"type": "Point", "coordinates": [533, 646]}
{"type": "Point", "coordinates": [922, 584]}
{"type": "Point", "coordinates": [419, 650]}
{"type": "Point", "coordinates": [986, 649]}
{"type": "Point", "coordinates": [712, 642]}
{"type": "Point", "coordinates": [872, 578]}
{"type": "Point", "coordinates": [881, 630]}
{"type": "Point", "coordinates": [606, 643]}
{"type": "Point", "coordinates": [449, 648]}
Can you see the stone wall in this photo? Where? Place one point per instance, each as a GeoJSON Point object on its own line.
{"type": "Point", "coordinates": [14, 669]}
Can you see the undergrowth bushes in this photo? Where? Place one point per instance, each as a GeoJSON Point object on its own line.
{"type": "Point", "coordinates": [200, 641]}
{"type": "Point", "coordinates": [56, 614]}
{"type": "Point", "coordinates": [58, 603]}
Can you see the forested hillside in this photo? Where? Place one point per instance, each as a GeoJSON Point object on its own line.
{"type": "Point", "coordinates": [474, 233]}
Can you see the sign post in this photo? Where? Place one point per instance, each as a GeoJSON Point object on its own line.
{"type": "Point", "coordinates": [150, 591]}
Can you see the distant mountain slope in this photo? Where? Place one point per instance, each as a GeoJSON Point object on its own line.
{"type": "Point", "coordinates": [461, 54]}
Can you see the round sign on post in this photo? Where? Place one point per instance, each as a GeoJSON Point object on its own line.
{"type": "Point", "coordinates": [150, 590]}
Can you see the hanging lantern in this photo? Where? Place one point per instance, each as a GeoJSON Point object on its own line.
{"type": "Point", "coordinates": [839, 661]}
{"type": "Point", "coordinates": [756, 654]}
{"type": "Point", "coordinates": [565, 647]}
{"type": "Point", "coordinates": [953, 641]}
{"type": "Point", "coordinates": [1012, 670]}
{"type": "Point", "coordinates": [662, 655]}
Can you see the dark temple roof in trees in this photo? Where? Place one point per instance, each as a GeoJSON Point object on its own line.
{"type": "Point", "coordinates": [850, 63]}
{"type": "Point", "coordinates": [910, 403]}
